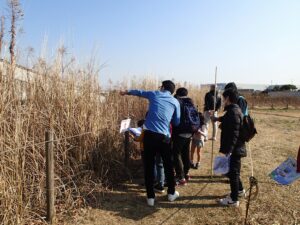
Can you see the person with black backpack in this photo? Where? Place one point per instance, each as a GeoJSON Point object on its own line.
{"type": "Point", "coordinates": [232, 144]}
{"type": "Point", "coordinates": [189, 124]}
{"type": "Point", "coordinates": [248, 129]}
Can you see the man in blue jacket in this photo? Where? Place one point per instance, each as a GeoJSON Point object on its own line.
{"type": "Point", "coordinates": [163, 110]}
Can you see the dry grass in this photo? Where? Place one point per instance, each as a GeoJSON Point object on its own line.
{"type": "Point", "coordinates": [86, 129]}
{"type": "Point", "coordinates": [264, 101]}
{"type": "Point", "coordinates": [88, 150]}
{"type": "Point", "coordinates": [278, 138]}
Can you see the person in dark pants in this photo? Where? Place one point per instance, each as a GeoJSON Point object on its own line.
{"type": "Point", "coordinates": [160, 142]}
{"type": "Point", "coordinates": [181, 143]}
{"type": "Point", "coordinates": [241, 102]}
{"type": "Point", "coordinates": [163, 110]}
{"type": "Point", "coordinates": [233, 145]}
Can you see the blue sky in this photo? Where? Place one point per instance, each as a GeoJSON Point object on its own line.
{"type": "Point", "coordinates": [251, 41]}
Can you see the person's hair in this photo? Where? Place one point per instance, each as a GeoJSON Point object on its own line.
{"type": "Point", "coordinates": [230, 85]}
{"type": "Point", "coordinates": [140, 123]}
{"type": "Point", "coordinates": [201, 117]}
{"type": "Point", "coordinates": [232, 94]}
{"type": "Point", "coordinates": [181, 92]}
{"type": "Point", "coordinates": [168, 86]}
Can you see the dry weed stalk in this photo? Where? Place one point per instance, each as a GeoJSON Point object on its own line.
{"type": "Point", "coordinates": [1, 34]}
{"type": "Point", "coordinates": [69, 106]}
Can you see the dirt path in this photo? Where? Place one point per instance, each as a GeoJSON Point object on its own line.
{"type": "Point", "coordinates": [277, 139]}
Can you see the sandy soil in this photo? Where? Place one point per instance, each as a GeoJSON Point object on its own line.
{"type": "Point", "coordinates": [278, 138]}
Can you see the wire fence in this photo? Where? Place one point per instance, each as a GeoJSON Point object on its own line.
{"type": "Point", "coordinates": [55, 140]}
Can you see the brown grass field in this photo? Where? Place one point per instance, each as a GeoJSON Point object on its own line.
{"type": "Point", "coordinates": [278, 137]}
{"type": "Point", "coordinates": [89, 168]}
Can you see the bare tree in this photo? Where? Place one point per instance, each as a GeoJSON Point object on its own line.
{"type": "Point", "coordinates": [62, 51]}
{"type": "Point", "coordinates": [16, 14]}
{"type": "Point", "coordinates": [1, 33]}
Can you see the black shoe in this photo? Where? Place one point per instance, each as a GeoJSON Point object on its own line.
{"type": "Point", "coordinates": [165, 184]}
{"type": "Point", "coordinates": [197, 165]}
{"type": "Point", "coordinates": [191, 165]}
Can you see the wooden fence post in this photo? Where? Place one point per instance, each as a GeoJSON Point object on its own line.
{"type": "Point", "coordinates": [50, 176]}
{"type": "Point", "coordinates": [298, 161]}
{"type": "Point", "coordinates": [126, 148]}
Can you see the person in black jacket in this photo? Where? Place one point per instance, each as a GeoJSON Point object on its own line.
{"type": "Point", "coordinates": [209, 110]}
{"type": "Point", "coordinates": [231, 144]}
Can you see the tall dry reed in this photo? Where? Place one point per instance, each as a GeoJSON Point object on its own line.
{"type": "Point", "coordinates": [85, 120]}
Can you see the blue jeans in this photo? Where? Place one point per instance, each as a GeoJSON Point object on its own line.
{"type": "Point", "coordinates": [159, 172]}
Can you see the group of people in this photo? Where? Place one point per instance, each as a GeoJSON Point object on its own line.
{"type": "Point", "coordinates": [174, 129]}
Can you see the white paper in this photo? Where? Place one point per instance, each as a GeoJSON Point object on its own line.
{"type": "Point", "coordinates": [125, 124]}
{"type": "Point", "coordinates": [221, 165]}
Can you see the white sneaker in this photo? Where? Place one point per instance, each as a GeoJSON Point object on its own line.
{"type": "Point", "coordinates": [172, 198]}
{"type": "Point", "coordinates": [241, 194]}
{"type": "Point", "coordinates": [150, 201]}
{"type": "Point", "coordinates": [228, 202]}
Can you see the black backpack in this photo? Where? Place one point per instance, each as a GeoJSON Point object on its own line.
{"type": "Point", "coordinates": [248, 129]}
{"type": "Point", "coordinates": [189, 119]}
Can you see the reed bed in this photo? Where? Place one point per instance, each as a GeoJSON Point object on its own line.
{"type": "Point", "coordinates": [85, 121]}
{"type": "Point", "coordinates": [266, 102]}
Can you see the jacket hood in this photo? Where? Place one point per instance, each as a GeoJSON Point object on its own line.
{"type": "Point", "coordinates": [231, 85]}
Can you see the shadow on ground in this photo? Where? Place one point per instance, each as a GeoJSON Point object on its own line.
{"type": "Point", "coordinates": [209, 179]}
{"type": "Point", "coordinates": [129, 201]}
{"type": "Point", "coordinates": [126, 201]}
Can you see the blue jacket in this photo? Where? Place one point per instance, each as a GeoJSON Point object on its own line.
{"type": "Point", "coordinates": [163, 110]}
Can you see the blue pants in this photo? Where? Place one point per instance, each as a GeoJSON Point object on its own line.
{"type": "Point", "coordinates": [159, 172]}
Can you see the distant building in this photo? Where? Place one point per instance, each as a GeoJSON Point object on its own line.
{"type": "Point", "coordinates": [246, 91]}
{"type": "Point", "coordinates": [24, 76]}
{"type": "Point", "coordinates": [220, 86]}
{"type": "Point", "coordinates": [21, 73]}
